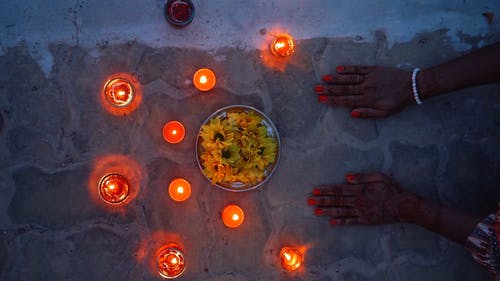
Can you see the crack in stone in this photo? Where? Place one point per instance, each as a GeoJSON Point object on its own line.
{"type": "Point", "coordinates": [211, 234]}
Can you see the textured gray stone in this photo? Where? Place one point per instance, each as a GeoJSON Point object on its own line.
{"type": "Point", "coordinates": [91, 254]}
{"type": "Point", "coordinates": [55, 200]}
{"type": "Point", "coordinates": [472, 177]}
{"type": "Point", "coordinates": [415, 167]}
{"type": "Point", "coordinates": [58, 233]}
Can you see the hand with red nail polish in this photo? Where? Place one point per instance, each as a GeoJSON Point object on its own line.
{"type": "Point", "coordinates": [379, 91]}
{"type": "Point", "coordinates": [365, 199]}
{"type": "Point", "coordinates": [372, 91]}
{"type": "Point", "coordinates": [375, 198]}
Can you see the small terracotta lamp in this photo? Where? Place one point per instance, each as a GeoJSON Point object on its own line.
{"type": "Point", "coordinates": [119, 92]}
{"type": "Point", "coordinates": [113, 188]}
{"type": "Point", "coordinates": [232, 216]}
{"type": "Point", "coordinates": [291, 258]}
{"type": "Point", "coordinates": [170, 261]}
{"type": "Point", "coordinates": [283, 46]}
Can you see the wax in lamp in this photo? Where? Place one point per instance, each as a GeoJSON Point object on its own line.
{"type": "Point", "coordinates": [204, 79]}
{"type": "Point", "coordinates": [283, 46]}
{"type": "Point", "coordinates": [291, 258]}
{"type": "Point", "coordinates": [170, 261]}
{"type": "Point", "coordinates": [174, 132]}
{"type": "Point", "coordinates": [113, 188]}
{"type": "Point", "coordinates": [179, 190]}
{"type": "Point", "coordinates": [232, 216]}
{"type": "Point", "coordinates": [119, 92]}
{"type": "Point", "coordinates": [179, 12]}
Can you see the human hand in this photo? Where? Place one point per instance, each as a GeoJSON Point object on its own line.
{"type": "Point", "coordinates": [371, 91]}
{"type": "Point", "coordinates": [365, 199]}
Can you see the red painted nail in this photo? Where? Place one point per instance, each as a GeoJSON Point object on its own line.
{"type": "Point", "coordinates": [316, 191]}
{"type": "Point", "coordinates": [327, 78]}
{"type": "Point", "coordinates": [355, 114]}
{"type": "Point", "coordinates": [319, 212]}
{"type": "Point", "coordinates": [333, 222]}
{"type": "Point", "coordinates": [350, 177]}
{"type": "Point", "coordinates": [322, 98]}
{"type": "Point", "coordinates": [340, 68]}
{"type": "Point", "coordinates": [311, 201]}
{"type": "Point", "coordinates": [319, 89]}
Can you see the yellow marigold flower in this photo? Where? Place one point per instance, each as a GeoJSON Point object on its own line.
{"type": "Point", "coordinates": [237, 148]}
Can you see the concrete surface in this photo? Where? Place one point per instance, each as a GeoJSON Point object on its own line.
{"type": "Point", "coordinates": [55, 133]}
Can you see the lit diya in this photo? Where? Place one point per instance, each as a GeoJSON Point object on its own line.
{"type": "Point", "coordinates": [113, 188]}
{"type": "Point", "coordinates": [283, 46]}
{"type": "Point", "coordinates": [179, 190]}
{"type": "Point", "coordinates": [119, 92]}
{"type": "Point", "coordinates": [173, 132]}
{"type": "Point", "coordinates": [204, 79]}
{"type": "Point", "coordinates": [291, 258]}
{"type": "Point", "coordinates": [170, 261]}
{"type": "Point", "coordinates": [232, 216]}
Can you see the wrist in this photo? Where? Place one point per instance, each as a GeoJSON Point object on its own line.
{"type": "Point", "coordinates": [409, 207]}
{"type": "Point", "coordinates": [426, 83]}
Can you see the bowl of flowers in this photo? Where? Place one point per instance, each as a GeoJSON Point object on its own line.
{"type": "Point", "coordinates": [238, 148]}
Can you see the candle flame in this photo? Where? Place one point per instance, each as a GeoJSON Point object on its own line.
{"type": "Point", "coordinates": [174, 132]}
{"type": "Point", "coordinates": [287, 256]}
{"type": "Point", "coordinates": [280, 45]}
{"type": "Point", "coordinates": [121, 93]}
{"type": "Point", "coordinates": [111, 186]}
{"type": "Point", "coordinates": [203, 79]}
{"type": "Point", "coordinates": [174, 261]}
{"type": "Point", "coordinates": [180, 189]}
{"type": "Point", "coordinates": [235, 217]}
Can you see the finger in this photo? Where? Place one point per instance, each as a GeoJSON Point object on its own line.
{"type": "Point", "coordinates": [347, 221]}
{"type": "Point", "coordinates": [339, 212]}
{"type": "Point", "coordinates": [342, 190]}
{"type": "Point", "coordinates": [354, 69]}
{"type": "Point", "coordinates": [344, 79]}
{"type": "Point", "coordinates": [335, 201]}
{"type": "Point", "coordinates": [365, 112]}
{"type": "Point", "coordinates": [339, 90]}
{"type": "Point", "coordinates": [365, 178]}
{"type": "Point", "coordinates": [351, 101]}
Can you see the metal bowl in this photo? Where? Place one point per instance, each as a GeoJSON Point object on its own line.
{"type": "Point", "coordinates": [271, 131]}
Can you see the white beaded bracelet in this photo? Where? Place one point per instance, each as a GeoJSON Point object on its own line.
{"type": "Point", "coordinates": [414, 85]}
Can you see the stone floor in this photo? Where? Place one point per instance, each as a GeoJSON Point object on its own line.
{"type": "Point", "coordinates": [54, 132]}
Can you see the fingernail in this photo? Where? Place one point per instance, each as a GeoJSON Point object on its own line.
{"type": "Point", "coordinates": [334, 222]}
{"type": "Point", "coordinates": [311, 201]}
{"type": "Point", "coordinates": [340, 68]}
{"type": "Point", "coordinates": [319, 212]}
{"type": "Point", "coordinates": [327, 78]}
{"type": "Point", "coordinates": [355, 114]}
{"type": "Point", "coordinates": [350, 177]}
{"type": "Point", "coordinates": [319, 89]}
{"type": "Point", "coordinates": [316, 191]}
{"type": "Point", "coordinates": [322, 98]}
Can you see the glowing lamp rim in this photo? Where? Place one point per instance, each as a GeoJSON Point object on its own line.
{"type": "Point", "coordinates": [119, 79]}
{"type": "Point", "coordinates": [173, 186]}
{"type": "Point", "coordinates": [228, 220]}
{"type": "Point", "coordinates": [165, 132]}
{"type": "Point", "coordinates": [209, 75]}
{"type": "Point", "coordinates": [172, 247]}
{"type": "Point", "coordinates": [105, 177]}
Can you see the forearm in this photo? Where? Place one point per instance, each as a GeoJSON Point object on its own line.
{"type": "Point", "coordinates": [476, 68]}
{"type": "Point", "coordinates": [442, 220]}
